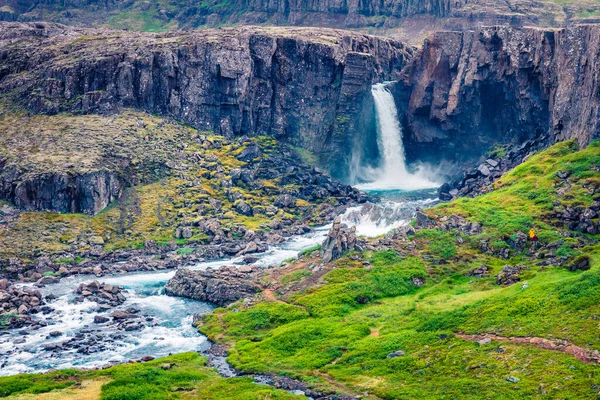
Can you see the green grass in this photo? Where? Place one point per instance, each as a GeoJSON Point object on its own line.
{"type": "Point", "coordinates": [180, 376]}
{"type": "Point", "coordinates": [416, 297]}
{"type": "Point", "coordinates": [348, 324]}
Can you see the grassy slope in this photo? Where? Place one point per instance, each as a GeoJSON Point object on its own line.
{"type": "Point", "coordinates": [183, 376]}
{"type": "Point", "coordinates": [344, 329]}
{"type": "Point", "coordinates": [162, 199]}
{"type": "Point", "coordinates": [339, 333]}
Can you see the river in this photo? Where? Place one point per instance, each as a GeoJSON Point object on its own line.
{"type": "Point", "coordinates": [168, 320]}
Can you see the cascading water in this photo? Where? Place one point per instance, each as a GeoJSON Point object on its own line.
{"type": "Point", "coordinates": [393, 173]}
{"type": "Point", "coordinates": [401, 190]}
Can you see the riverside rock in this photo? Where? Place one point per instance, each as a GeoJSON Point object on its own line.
{"type": "Point", "coordinates": [220, 286]}
{"type": "Point", "coordinates": [101, 293]}
{"type": "Point", "coordinates": [339, 240]}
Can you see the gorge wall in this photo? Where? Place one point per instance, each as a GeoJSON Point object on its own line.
{"type": "Point", "coordinates": [305, 86]}
{"type": "Point", "coordinates": [466, 91]}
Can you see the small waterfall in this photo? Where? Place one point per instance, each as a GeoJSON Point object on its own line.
{"type": "Point", "coordinates": [392, 173]}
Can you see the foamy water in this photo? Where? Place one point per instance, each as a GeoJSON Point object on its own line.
{"type": "Point", "coordinates": [393, 174]}
{"type": "Point", "coordinates": [170, 329]}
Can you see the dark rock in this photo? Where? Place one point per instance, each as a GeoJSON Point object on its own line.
{"type": "Point", "coordinates": [509, 275]}
{"type": "Point", "coordinates": [99, 319]}
{"type": "Point", "coordinates": [122, 315]}
{"type": "Point", "coordinates": [397, 353]}
{"type": "Point", "coordinates": [340, 239]}
{"type": "Point", "coordinates": [284, 201]}
{"type": "Point", "coordinates": [243, 208]}
{"type": "Point", "coordinates": [219, 286]}
{"type": "Point", "coordinates": [480, 272]}
{"type": "Point", "coordinates": [563, 174]}
{"type": "Point", "coordinates": [423, 221]}
{"type": "Point", "coordinates": [444, 192]}
{"type": "Point", "coordinates": [581, 263]}
{"type": "Point", "coordinates": [251, 152]}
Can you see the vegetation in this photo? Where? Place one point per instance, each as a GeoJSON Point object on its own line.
{"type": "Point", "coordinates": [391, 322]}
{"type": "Point", "coordinates": [176, 176]}
{"type": "Point", "coordinates": [347, 328]}
{"type": "Point", "coordinates": [180, 376]}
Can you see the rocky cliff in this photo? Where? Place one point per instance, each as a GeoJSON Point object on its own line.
{"type": "Point", "coordinates": [466, 91]}
{"type": "Point", "coordinates": [308, 87]}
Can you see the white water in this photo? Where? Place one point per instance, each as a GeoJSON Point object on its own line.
{"type": "Point", "coordinates": [373, 220]}
{"type": "Point", "coordinates": [401, 191]}
{"type": "Point", "coordinates": [393, 173]}
{"type": "Point", "coordinates": [170, 330]}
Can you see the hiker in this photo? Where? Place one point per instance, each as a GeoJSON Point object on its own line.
{"type": "Point", "coordinates": [533, 238]}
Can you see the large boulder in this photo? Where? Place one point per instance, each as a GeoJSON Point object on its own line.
{"type": "Point", "coordinates": [220, 286]}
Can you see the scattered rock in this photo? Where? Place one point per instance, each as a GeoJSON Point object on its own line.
{"type": "Point", "coordinates": [101, 293]}
{"type": "Point", "coordinates": [397, 353]}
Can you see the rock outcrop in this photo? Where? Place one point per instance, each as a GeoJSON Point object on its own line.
{"type": "Point", "coordinates": [307, 86]}
{"type": "Point", "coordinates": [339, 240]}
{"type": "Point", "coordinates": [220, 286]}
{"type": "Point", "coordinates": [466, 91]}
{"type": "Point", "coordinates": [64, 192]}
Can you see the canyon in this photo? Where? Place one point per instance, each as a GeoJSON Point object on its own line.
{"type": "Point", "coordinates": [458, 97]}
{"type": "Point", "coordinates": [299, 211]}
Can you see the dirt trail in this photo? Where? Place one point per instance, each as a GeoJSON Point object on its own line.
{"type": "Point", "coordinates": [589, 356]}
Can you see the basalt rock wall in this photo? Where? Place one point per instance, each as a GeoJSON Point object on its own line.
{"type": "Point", "coordinates": [466, 91]}
{"type": "Point", "coordinates": [306, 86]}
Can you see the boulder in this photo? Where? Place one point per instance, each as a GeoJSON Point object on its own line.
{"type": "Point", "coordinates": [339, 240]}
{"type": "Point", "coordinates": [220, 286]}
{"type": "Point", "coordinates": [480, 272]}
{"type": "Point", "coordinates": [581, 263]}
{"type": "Point", "coordinates": [243, 208]}
{"type": "Point", "coordinates": [285, 201]}
{"type": "Point", "coordinates": [509, 275]}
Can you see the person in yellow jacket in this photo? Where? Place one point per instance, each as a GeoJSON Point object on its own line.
{"type": "Point", "coordinates": [534, 238]}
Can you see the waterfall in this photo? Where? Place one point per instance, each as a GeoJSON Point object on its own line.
{"type": "Point", "coordinates": [393, 173]}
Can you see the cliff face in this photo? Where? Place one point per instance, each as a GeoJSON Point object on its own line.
{"type": "Point", "coordinates": [86, 193]}
{"type": "Point", "coordinates": [308, 87]}
{"type": "Point", "coordinates": [465, 91]}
